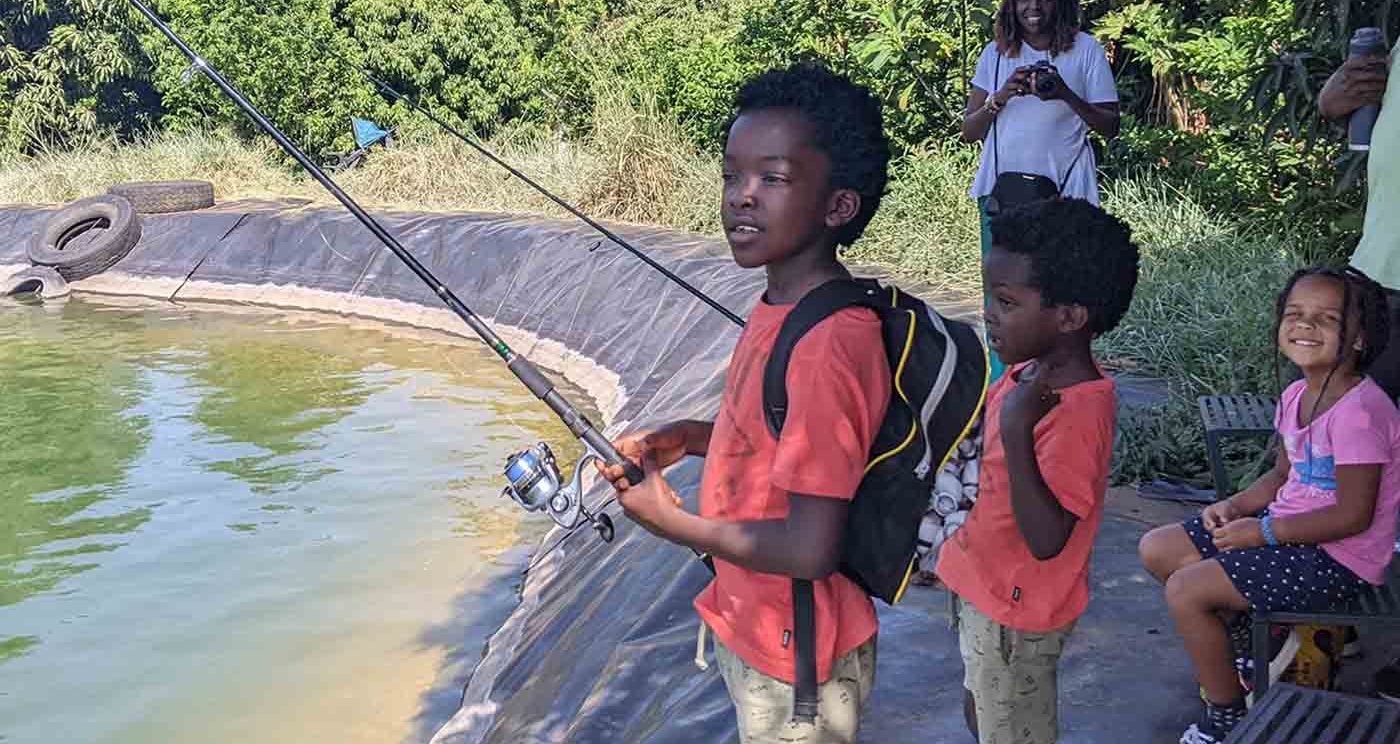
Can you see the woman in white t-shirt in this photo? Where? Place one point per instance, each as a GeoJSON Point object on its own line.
{"type": "Point", "coordinates": [1043, 133]}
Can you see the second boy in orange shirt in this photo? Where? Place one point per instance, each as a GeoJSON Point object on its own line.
{"type": "Point", "coordinates": [1059, 273]}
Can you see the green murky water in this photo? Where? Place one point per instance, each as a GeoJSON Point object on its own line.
{"type": "Point", "coordinates": [247, 525]}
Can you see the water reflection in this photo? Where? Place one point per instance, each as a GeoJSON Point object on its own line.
{"type": "Point", "coordinates": [236, 524]}
{"type": "Point", "coordinates": [12, 647]}
{"type": "Point", "coordinates": [273, 396]}
{"type": "Point", "coordinates": [66, 443]}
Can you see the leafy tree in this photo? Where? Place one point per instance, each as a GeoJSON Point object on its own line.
{"type": "Point", "coordinates": [273, 51]}
{"type": "Point", "coordinates": [1221, 96]}
{"type": "Point", "coordinates": [915, 54]}
{"type": "Point", "coordinates": [686, 57]}
{"type": "Point", "coordinates": [69, 69]}
{"type": "Point", "coordinates": [469, 59]}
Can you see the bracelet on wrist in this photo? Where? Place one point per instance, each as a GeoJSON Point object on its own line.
{"type": "Point", "coordinates": [1266, 528]}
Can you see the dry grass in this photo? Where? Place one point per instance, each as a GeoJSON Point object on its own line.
{"type": "Point", "coordinates": [237, 168]}
{"type": "Point", "coordinates": [634, 167]}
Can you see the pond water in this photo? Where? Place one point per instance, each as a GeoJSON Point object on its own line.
{"type": "Point", "coordinates": [233, 524]}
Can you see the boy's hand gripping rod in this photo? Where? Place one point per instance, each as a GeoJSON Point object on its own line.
{"type": "Point", "coordinates": [535, 481]}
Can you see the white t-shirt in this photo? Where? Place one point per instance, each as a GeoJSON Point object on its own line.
{"type": "Point", "coordinates": [1043, 137]}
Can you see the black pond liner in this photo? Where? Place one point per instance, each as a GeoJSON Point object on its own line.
{"type": "Point", "coordinates": [601, 646]}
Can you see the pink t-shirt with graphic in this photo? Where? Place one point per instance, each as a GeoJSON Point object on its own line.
{"type": "Point", "coordinates": [1362, 428]}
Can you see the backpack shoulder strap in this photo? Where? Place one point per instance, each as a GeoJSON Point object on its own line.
{"type": "Point", "coordinates": [816, 306]}
{"type": "Point", "coordinates": [804, 621]}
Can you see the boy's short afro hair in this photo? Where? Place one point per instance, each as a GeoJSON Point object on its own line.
{"type": "Point", "coordinates": [847, 125]}
{"type": "Point", "coordinates": [1079, 254]}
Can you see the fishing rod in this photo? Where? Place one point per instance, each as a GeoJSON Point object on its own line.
{"type": "Point", "coordinates": [609, 234]}
{"type": "Point", "coordinates": [535, 481]}
{"type": "Point", "coordinates": [489, 155]}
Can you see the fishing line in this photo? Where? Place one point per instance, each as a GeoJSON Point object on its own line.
{"type": "Point", "coordinates": [489, 155]}
{"type": "Point", "coordinates": [538, 559]}
{"type": "Point", "coordinates": [535, 480]}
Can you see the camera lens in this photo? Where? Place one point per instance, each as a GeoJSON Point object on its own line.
{"type": "Point", "coordinates": [1044, 83]}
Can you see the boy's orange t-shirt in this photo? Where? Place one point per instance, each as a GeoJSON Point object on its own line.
{"type": "Point", "coordinates": [838, 383]}
{"type": "Point", "coordinates": [987, 561]}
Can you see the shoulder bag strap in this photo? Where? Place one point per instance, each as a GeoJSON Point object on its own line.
{"type": "Point", "coordinates": [815, 307]}
{"type": "Point", "coordinates": [1072, 163]}
{"type": "Point", "coordinates": [996, 141]}
{"type": "Point", "coordinates": [1065, 179]}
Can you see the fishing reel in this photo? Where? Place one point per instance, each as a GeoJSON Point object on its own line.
{"type": "Point", "coordinates": [537, 485]}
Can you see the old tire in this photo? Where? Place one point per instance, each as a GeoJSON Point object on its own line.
{"type": "Point", "coordinates": [119, 226]}
{"type": "Point", "coordinates": [161, 197]}
{"type": "Point", "coordinates": [41, 280]}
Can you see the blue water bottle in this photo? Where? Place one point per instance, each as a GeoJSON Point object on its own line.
{"type": "Point", "coordinates": [1366, 42]}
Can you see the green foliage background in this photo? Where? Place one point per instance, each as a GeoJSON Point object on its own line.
{"type": "Point", "coordinates": [1218, 94]}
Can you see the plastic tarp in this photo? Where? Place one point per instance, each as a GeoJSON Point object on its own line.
{"type": "Point", "coordinates": [601, 646]}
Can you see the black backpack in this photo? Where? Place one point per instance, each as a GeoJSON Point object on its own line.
{"type": "Point", "coordinates": [940, 380]}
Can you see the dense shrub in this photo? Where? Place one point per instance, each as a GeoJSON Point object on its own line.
{"type": "Point", "coordinates": [271, 50]}
{"type": "Point", "coordinates": [70, 68]}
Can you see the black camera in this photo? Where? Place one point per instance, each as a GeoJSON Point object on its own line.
{"type": "Point", "coordinates": [1043, 77]}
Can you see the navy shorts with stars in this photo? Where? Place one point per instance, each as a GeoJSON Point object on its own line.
{"type": "Point", "coordinates": [1281, 578]}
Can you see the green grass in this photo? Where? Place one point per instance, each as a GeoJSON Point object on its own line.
{"type": "Point", "coordinates": [927, 226]}
{"type": "Point", "coordinates": [1200, 319]}
{"type": "Point", "coordinates": [12, 647]}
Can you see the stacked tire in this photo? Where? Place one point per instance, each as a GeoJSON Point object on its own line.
{"type": "Point", "coordinates": [164, 197]}
{"type": "Point", "coordinates": [65, 245]}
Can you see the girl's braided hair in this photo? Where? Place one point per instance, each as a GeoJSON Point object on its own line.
{"type": "Point", "coordinates": [1009, 35]}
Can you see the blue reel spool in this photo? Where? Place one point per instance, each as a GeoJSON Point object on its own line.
{"type": "Point", "coordinates": [535, 482]}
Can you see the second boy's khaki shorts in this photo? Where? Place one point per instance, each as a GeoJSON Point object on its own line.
{"type": "Point", "coordinates": [1012, 677]}
{"type": "Point", "coordinates": [764, 705]}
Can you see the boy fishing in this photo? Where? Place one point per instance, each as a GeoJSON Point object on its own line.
{"type": "Point", "coordinates": [805, 165]}
{"type": "Point", "coordinates": [1059, 273]}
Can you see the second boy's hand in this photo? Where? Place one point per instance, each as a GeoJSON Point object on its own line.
{"type": "Point", "coordinates": [1029, 401]}
{"type": "Point", "coordinates": [1043, 521]}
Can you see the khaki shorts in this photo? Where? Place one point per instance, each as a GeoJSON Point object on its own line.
{"type": "Point", "coordinates": [764, 704]}
{"type": "Point", "coordinates": [1012, 677]}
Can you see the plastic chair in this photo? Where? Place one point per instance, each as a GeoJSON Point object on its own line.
{"type": "Point", "coordinates": [1232, 416]}
{"type": "Point", "coordinates": [367, 134]}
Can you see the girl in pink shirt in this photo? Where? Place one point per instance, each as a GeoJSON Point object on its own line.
{"type": "Point", "coordinates": [1311, 532]}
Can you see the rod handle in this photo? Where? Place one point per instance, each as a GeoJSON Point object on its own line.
{"type": "Point", "coordinates": [633, 473]}
{"type": "Point", "coordinates": [605, 449]}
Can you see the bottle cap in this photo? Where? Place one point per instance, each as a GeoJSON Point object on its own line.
{"type": "Point", "coordinates": [1367, 40]}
